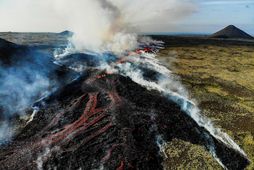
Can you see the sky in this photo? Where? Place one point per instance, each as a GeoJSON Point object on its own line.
{"type": "Point", "coordinates": [213, 15]}
{"type": "Point", "coordinates": [206, 16]}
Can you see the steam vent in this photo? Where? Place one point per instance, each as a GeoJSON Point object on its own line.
{"type": "Point", "coordinates": [114, 117]}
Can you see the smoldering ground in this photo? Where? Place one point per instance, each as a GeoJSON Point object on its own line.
{"type": "Point", "coordinates": [23, 81]}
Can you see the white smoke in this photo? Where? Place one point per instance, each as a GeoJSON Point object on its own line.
{"type": "Point", "coordinates": [97, 24]}
{"type": "Point", "coordinates": [35, 111]}
{"type": "Point", "coordinates": [29, 77]}
{"type": "Point", "coordinates": [40, 158]}
{"type": "Point", "coordinates": [6, 132]}
{"type": "Point", "coordinates": [19, 87]}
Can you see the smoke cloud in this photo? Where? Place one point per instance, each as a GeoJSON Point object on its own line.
{"type": "Point", "coordinates": [28, 78]}
{"type": "Point", "coordinates": [97, 24]}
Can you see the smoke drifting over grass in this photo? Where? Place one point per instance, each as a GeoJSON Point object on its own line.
{"type": "Point", "coordinates": [168, 85]}
{"type": "Point", "coordinates": [97, 24]}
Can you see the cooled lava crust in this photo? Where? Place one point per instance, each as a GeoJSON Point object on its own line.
{"type": "Point", "coordinates": [105, 121]}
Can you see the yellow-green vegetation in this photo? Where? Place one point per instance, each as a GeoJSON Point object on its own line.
{"type": "Point", "coordinates": [184, 155]}
{"type": "Point", "coordinates": [221, 79]}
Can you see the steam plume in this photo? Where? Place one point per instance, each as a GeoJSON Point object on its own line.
{"type": "Point", "coordinates": [97, 24]}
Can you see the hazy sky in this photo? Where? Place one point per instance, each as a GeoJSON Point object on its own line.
{"type": "Point", "coordinates": [215, 14]}
{"type": "Point", "coordinates": [207, 16]}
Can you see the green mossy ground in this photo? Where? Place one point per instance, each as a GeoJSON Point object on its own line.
{"type": "Point", "coordinates": [221, 79]}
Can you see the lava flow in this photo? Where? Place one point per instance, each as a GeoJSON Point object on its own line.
{"type": "Point", "coordinates": [107, 119]}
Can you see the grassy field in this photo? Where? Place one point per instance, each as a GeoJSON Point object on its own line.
{"type": "Point", "coordinates": [220, 77]}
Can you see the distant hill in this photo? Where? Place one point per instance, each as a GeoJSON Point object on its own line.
{"type": "Point", "coordinates": [231, 32]}
{"type": "Point", "coordinates": [66, 33]}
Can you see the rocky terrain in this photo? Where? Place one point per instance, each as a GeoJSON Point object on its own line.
{"type": "Point", "coordinates": [108, 119]}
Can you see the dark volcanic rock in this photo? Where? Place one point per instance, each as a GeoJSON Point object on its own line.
{"type": "Point", "coordinates": [105, 121]}
{"type": "Point", "coordinates": [21, 56]}
{"type": "Point", "coordinates": [9, 51]}
{"type": "Point", "coordinates": [231, 32]}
